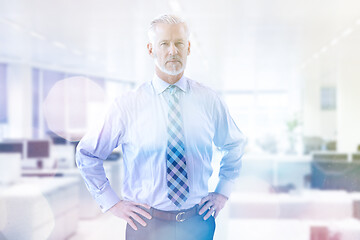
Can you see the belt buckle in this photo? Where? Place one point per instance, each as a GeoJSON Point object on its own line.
{"type": "Point", "coordinates": [179, 217]}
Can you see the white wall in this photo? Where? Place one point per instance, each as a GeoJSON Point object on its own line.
{"type": "Point", "coordinates": [19, 88]}
{"type": "Point", "coordinates": [340, 68]}
{"type": "Point", "coordinates": [318, 122]}
{"type": "Point", "coordinates": [349, 98]}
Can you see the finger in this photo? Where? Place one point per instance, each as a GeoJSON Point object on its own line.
{"type": "Point", "coordinates": [216, 213]}
{"type": "Point", "coordinates": [204, 199]}
{"type": "Point", "coordinates": [208, 214]}
{"type": "Point", "coordinates": [142, 212]}
{"type": "Point", "coordinates": [143, 205]}
{"type": "Point", "coordinates": [205, 207]}
{"type": "Point", "coordinates": [138, 219]}
{"type": "Point", "coordinates": [131, 223]}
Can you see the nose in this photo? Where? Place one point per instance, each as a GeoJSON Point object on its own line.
{"type": "Point", "coordinates": [173, 49]}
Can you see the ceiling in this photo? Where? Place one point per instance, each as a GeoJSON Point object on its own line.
{"type": "Point", "coordinates": [236, 44]}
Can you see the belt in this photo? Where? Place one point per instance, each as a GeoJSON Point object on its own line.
{"type": "Point", "coordinates": [178, 216]}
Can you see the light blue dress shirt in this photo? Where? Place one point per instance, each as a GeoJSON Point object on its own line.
{"type": "Point", "coordinates": [138, 121]}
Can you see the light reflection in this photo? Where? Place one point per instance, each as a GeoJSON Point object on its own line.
{"type": "Point", "coordinates": [72, 106]}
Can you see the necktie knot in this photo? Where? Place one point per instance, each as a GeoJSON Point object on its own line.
{"type": "Point", "coordinates": [172, 89]}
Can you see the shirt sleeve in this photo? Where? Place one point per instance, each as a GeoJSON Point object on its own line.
{"type": "Point", "coordinates": [231, 141]}
{"type": "Point", "coordinates": [93, 149]}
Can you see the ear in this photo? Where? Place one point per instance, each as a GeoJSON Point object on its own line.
{"type": "Point", "coordinates": [150, 49]}
{"type": "Point", "coordinates": [188, 53]}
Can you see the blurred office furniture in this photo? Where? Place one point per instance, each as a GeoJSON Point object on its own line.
{"type": "Point", "coordinates": [273, 172]}
{"type": "Point", "coordinates": [53, 159]}
{"type": "Point", "coordinates": [356, 208]}
{"type": "Point", "coordinates": [63, 156]}
{"type": "Point", "coordinates": [56, 140]}
{"type": "Point", "coordinates": [12, 146]}
{"type": "Point", "coordinates": [285, 229]}
{"type": "Point", "coordinates": [63, 152]}
{"type": "Point", "coordinates": [10, 167]}
{"type": "Point", "coordinates": [329, 156]}
{"type": "Point", "coordinates": [312, 144]}
{"type": "Point", "coordinates": [38, 151]}
{"type": "Point", "coordinates": [355, 157]}
{"type": "Point", "coordinates": [319, 233]}
{"type": "Point", "coordinates": [335, 171]}
{"type": "Point", "coordinates": [259, 200]}
{"type": "Point", "coordinates": [330, 146]}
{"type": "Point", "coordinates": [38, 209]}
{"type": "Point", "coordinates": [88, 207]}
{"type": "Point", "coordinates": [311, 205]}
{"type": "Point", "coordinates": [35, 153]}
{"type": "Point", "coordinates": [303, 213]}
{"type": "Point", "coordinates": [326, 170]}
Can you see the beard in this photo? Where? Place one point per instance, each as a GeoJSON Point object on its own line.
{"type": "Point", "coordinates": [173, 71]}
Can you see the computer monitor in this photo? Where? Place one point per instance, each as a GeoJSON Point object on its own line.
{"type": "Point", "coordinates": [12, 147]}
{"type": "Point", "coordinates": [38, 150]}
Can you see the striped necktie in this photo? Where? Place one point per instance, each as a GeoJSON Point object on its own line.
{"type": "Point", "coordinates": [177, 179]}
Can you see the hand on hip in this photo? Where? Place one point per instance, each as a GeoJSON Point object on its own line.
{"type": "Point", "coordinates": [130, 211]}
{"type": "Point", "coordinates": [213, 202]}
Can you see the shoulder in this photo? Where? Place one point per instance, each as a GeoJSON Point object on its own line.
{"type": "Point", "coordinates": [204, 92]}
{"type": "Point", "coordinates": [202, 89]}
{"type": "Point", "coordinates": [212, 98]}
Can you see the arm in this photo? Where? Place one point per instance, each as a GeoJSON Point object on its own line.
{"type": "Point", "coordinates": [231, 141]}
{"type": "Point", "coordinates": [92, 150]}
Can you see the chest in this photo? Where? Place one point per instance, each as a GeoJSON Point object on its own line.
{"type": "Point", "coordinates": [149, 120]}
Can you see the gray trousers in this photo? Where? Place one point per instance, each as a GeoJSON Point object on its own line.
{"type": "Point", "coordinates": [195, 228]}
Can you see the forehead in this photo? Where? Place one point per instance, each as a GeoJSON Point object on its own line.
{"type": "Point", "coordinates": [165, 31]}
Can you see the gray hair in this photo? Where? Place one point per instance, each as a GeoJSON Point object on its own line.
{"type": "Point", "coordinates": [167, 19]}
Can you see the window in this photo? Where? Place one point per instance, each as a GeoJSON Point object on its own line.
{"type": "Point", "coordinates": [3, 94]}
{"type": "Point", "coordinates": [67, 108]}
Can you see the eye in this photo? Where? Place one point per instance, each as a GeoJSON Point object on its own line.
{"type": "Point", "coordinates": [163, 44]}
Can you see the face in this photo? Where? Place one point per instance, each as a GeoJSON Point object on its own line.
{"type": "Point", "coordinates": [170, 48]}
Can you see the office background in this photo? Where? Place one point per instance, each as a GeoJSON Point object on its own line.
{"type": "Point", "coordinates": [288, 71]}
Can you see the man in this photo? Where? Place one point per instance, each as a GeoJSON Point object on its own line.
{"type": "Point", "coordinates": [166, 128]}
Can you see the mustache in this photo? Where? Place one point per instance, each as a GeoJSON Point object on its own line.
{"type": "Point", "coordinates": [174, 58]}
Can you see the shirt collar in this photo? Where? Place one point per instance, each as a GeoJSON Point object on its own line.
{"type": "Point", "coordinates": [160, 85]}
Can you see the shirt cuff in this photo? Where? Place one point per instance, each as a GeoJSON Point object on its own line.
{"type": "Point", "coordinates": [107, 199]}
{"type": "Point", "coordinates": [225, 187]}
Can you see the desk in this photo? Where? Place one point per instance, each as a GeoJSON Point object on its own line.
{"type": "Point", "coordinates": [39, 208]}
{"type": "Point", "coordinates": [274, 170]}
{"type": "Point", "coordinates": [304, 205]}
{"type": "Point", "coordinates": [88, 207]}
{"type": "Point", "coordinates": [285, 229]}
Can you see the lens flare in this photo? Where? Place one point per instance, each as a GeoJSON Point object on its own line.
{"type": "Point", "coordinates": [72, 106]}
